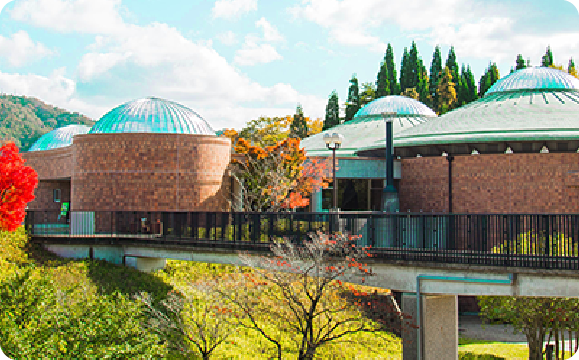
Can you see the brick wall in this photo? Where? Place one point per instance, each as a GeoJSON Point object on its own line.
{"type": "Point", "coordinates": [50, 164]}
{"type": "Point", "coordinates": [528, 183]}
{"type": "Point", "coordinates": [44, 198]}
{"type": "Point", "coordinates": [150, 172]}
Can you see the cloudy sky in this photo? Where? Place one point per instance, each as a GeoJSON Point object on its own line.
{"type": "Point", "coordinates": [236, 60]}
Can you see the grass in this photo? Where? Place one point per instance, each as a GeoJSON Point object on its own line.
{"type": "Point", "coordinates": [483, 350]}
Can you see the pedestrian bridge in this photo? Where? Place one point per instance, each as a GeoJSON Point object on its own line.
{"type": "Point", "coordinates": [431, 258]}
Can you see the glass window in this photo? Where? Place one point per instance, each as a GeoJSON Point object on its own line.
{"type": "Point", "coordinates": [56, 195]}
{"type": "Point", "coordinates": [353, 194]}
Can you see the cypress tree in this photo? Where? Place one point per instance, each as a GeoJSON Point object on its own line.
{"type": "Point", "coordinates": [383, 81]}
{"type": "Point", "coordinates": [422, 87]}
{"type": "Point", "coordinates": [435, 73]}
{"type": "Point", "coordinates": [332, 112]}
{"type": "Point", "coordinates": [520, 62]}
{"type": "Point", "coordinates": [299, 125]}
{"type": "Point", "coordinates": [353, 104]}
{"type": "Point", "coordinates": [471, 89]}
{"type": "Point", "coordinates": [571, 67]}
{"type": "Point", "coordinates": [446, 92]}
{"type": "Point", "coordinates": [452, 65]}
{"type": "Point", "coordinates": [368, 94]}
{"type": "Point", "coordinates": [413, 67]}
{"type": "Point", "coordinates": [547, 59]}
{"type": "Point", "coordinates": [487, 80]}
{"type": "Point", "coordinates": [404, 71]}
{"type": "Point", "coordinates": [393, 81]}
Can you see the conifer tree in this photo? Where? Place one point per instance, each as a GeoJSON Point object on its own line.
{"type": "Point", "coordinates": [353, 104]}
{"type": "Point", "coordinates": [368, 94]}
{"type": "Point", "coordinates": [452, 65]}
{"type": "Point", "coordinates": [332, 111]}
{"type": "Point", "coordinates": [571, 67]}
{"type": "Point", "coordinates": [299, 126]}
{"type": "Point", "coordinates": [487, 80]}
{"type": "Point", "coordinates": [383, 81]}
{"type": "Point", "coordinates": [446, 92]}
{"type": "Point", "coordinates": [404, 68]}
{"type": "Point", "coordinates": [435, 73]}
{"type": "Point", "coordinates": [471, 89]}
{"type": "Point", "coordinates": [413, 67]}
{"type": "Point", "coordinates": [547, 59]}
{"type": "Point", "coordinates": [520, 62]}
{"type": "Point", "coordinates": [392, 79]}
{"type": "Point", "coordinates": [422, 86]}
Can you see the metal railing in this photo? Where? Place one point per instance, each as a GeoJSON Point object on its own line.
{"type": "Point", "coordinates": [547, 241]}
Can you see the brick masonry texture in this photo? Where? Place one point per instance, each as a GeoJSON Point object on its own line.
{"type": "Point", "coordinates": [50, 164]}
{"type": "Point", "coordinates": [150, 172]}
{"type": "Point", "coordinates": [497, 183]}
{"type": "Point", "coordinates": [44, 196]}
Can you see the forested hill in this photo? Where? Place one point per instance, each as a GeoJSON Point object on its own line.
{"type": "Point", "coordinates": [25, 119]}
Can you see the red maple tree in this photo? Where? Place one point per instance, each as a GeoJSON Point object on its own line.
{"type": "Point", "coordinates": [17, 184]}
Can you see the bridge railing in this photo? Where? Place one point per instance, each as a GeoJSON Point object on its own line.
{"type": "Point", "coordinates": [522, 240]}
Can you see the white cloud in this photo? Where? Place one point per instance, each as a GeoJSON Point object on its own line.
{"type": "Point", "coordinates": [229, 9]}
{"type": "Point", "coordinates": [227, 38]}
{"type": "Point", "coordinates": [270, 33]}
{"type": "Point", "coordinates": [20, 49]}
{"type": "Point", "coordinates": [80, 16]}
{"type": "Point", "coordinates": [95, 64]}
{"type": "Point", "coordinates": [252, 54]}
{"type": "Point", "coordinates": [3, 3]}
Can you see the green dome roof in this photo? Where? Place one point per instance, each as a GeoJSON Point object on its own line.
{"type": "Point", "coordinates": [58, 138]}
{"type": "Point", "coordinates": [152, 115]}
{"type": "Point", "coordinates": [368, 125]}
{"type": "Point", "coordinates": [535, 78]}
{"type": "Point", "coordinates": [401, 105]}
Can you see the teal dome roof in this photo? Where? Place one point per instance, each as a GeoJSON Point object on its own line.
{"type": "Point", "coordinates": [152, 115]}
{"type": "Point", "coordinates": [535, 78]}
{"type": "Point", "coordinates": [401, 105]}
{"type": "Point", "coordinates": [58, 138]}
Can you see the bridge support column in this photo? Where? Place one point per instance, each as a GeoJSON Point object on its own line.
{"type": "Point", "coordinates": [146, 264]}
{"type": "Point", "coordinates": [438, 326]}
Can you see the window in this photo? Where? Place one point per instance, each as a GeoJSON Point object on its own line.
{"type": "Point", "coordinates": [56, 195]}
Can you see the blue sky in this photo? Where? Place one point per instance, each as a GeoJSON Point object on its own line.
{"type": "Point", "coordinates": [236, 60]}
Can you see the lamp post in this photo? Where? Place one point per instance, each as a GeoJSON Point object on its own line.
{"type": "Point", "coordinates": [390, 201]}
{"type": "Point", "coordinates": [333, 143]}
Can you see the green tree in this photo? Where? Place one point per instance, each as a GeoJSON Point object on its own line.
{"type": "Point", "coordinates": [435, 73]}
{"type": "Point", "coordinates": [392, 79]}
{"type": "Point", "coordinates": [266, 131]}
{"type": "Point", "coordinates": [353, 104]}
{"type": "Point", "coordinates": [452, 65]}
{"type": "Point", "coordinates": [299, 126]}
{"type": "Point", "coordinates": [571, 67]}
{"type": "Point", "coordinates": [332, 111]}
{"type": "Point", "coordinates": [547, 59]}
{"type": "Point", "coordinates": [423, 86]}
{"type": "Point", "coordinates": [404, 71]}
{"type": "Point", "coordinates": [520, 62]}
{"type": "Point", "coordinates": [446, 92]}
{"type": "Point", "coordinates": [469, 85]}
{"type": "Point", "coordinates": [383, 81]}
{"type": "Point", "coordinates": [368, 93]}
{"type": "Point", "coordinates": [487, 80]}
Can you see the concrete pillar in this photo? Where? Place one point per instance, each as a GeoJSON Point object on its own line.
{"type": "Point", "coordinates": [438, 326]}
{"type": "Point", "coordinates": [146, 264]}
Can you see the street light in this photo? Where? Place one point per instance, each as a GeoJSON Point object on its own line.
{"type": "Point", "coordinates": [333, 143]}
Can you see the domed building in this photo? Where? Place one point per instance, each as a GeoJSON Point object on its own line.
{"type": "Point", "coordinates": [148, 154]}
{"type": "Point", "coordinates": [513, 151]}
{"type": "Point", "coordinates": [361, 177]}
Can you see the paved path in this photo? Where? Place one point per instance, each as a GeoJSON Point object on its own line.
{"type": "Point", "coordinates": [471, 327]}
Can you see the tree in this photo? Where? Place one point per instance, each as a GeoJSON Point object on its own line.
{"type": "Point", "coordinates": [520, 62]}
{"type": "Point", "coordinates": [231, 134]}
{"type": "Point", "coordinates": [487, 80]}
{"type": "Point", "coordinates": [535, 317]}
{"type": "Point", "coordinates": [411, 93]}
{"type": "Point", "coordinates": [302, 294]}
{"type": "Point", "coordinates": [17, 184]}
{"type": "Point", "coordinates": [353, 104]}
{"type": "Point", "coordinates": [452, 65]}
{"type": "Point", "coordinates": [332, 112]}
{"type": "Point", "coordinates": [266, 131]}
{"type": "Point", "coordinates": [571, 68]}
{"type": "Point", "coordinates": [383, 81]}
{"type": "Point", "coordinates": [446, 92]}
{"type": "Point", "coordinates": [278, 177]}
{"type": "Point", "coordinates": [392, 79]}
{"type": "Point", "coordinates": [404, 71]}
{"type": "Point", "coordinates": [368, 94]}
{"type": "Point", "coordinates": [195, 315]}
{"type": "Point", "coordinates": [468, 85]}
{"type": "Point", "coordinates": [435, 74]}
{"type": "Point", "coordinates": [299, 126]}
{"type": "Point", "coordinates": [547, 59]}
{"type": "Point", "coordinates": [422, 86]}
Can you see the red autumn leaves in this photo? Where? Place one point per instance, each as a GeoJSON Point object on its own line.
{"type": "Point", "coordinates": [17, 184]}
